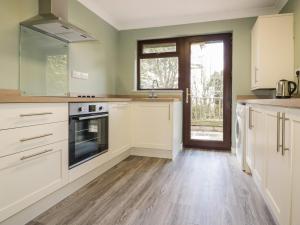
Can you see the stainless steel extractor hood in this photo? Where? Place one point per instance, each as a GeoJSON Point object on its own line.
{"type": "Point", "coordinates": [50, 24]}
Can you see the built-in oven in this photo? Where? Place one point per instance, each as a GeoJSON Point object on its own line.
{"type": "Point", "coordinates": [88, 131]}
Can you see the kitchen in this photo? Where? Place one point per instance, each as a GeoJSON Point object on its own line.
{"type": "Point", "coordinates": [88, 136]}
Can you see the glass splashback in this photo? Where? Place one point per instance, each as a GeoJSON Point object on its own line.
{"type": "Point", "coordinates": [43, 64]}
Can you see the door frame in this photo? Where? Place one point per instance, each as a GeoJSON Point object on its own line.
{"type": "Point", "coordinates": [227, 97]}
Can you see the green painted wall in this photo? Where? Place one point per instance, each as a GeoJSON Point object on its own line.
{"type": "Point", "coordinates": [98, 58]}
{"type": "Point", "coordinates": [12, 12]}
{"type": "Point", "coordinates": [293, 6]}
{"type": "Point", "coordinates": [241, 68]}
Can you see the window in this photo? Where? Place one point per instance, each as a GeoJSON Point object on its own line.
{"type": "Point", "coordinates": [158, 64]}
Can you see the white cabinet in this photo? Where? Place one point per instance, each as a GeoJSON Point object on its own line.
{"type": "Point", "coordinates": [278, 164]}
{"type": "Point", "coordinates": [28, 176]}
{"type": "Point", "coordinates": [119, 127]}
{"type": "Point", "coordinates": [249, 138]}
{"type": "Point", "coordinates": [294, 116]}
{"type": "Point", "coordinates": [258, 145]}
{"type": "Point", "coordinates": [272, 51]}
{"type": "Point", "coordinates": [156, 128]}
{"type": "Point", "coordinates": [33, 154]}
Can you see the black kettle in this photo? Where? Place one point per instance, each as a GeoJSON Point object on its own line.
{"type": "Point", "coordinates": [285, 88]}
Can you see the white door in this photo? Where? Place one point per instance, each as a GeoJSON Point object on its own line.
{"type": "Point", "coordinates": [278, 165]}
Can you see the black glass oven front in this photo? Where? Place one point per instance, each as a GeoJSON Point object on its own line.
{"type": "Point", "coordinates": [88, 137]}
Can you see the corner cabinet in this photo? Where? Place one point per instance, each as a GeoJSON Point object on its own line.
{"type": "Point", "coordinates": [272, 49]}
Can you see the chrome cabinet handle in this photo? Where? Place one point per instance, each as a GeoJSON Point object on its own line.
{"type": "Point", "coordinates": [36, 137]}
{"type": "Point", "coordinates": [92, 117]}
{"type": "Point", "coordinates": [250, 118]}
{"type": "Point", "coordinates": [278, 132]}
{"type": "Point", "coordinates": [36, 114]}
{"type": "Point", "coordinates": [283, 135]}
{"type": "Point", "coordinates": [36, 154]}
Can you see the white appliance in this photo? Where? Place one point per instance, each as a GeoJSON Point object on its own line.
{"type": "Point", "coordinates": [240, 134]}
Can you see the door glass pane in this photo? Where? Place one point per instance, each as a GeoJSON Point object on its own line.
{"type": "Point", "coordinates": [207, 63]}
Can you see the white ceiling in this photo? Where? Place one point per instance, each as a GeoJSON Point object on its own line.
{"type": "Point", "coordinates": [132, 14]}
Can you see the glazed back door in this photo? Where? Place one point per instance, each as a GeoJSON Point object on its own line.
{"type": "Point", "coordinates": [207, 92]}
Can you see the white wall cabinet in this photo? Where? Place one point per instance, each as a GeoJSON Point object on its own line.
{"type": "Point", "coordinates": [119, 127]}
{"type": "Point", "coordinates": [272, 51]}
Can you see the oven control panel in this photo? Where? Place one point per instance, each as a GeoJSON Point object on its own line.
{"type": "Point", "coordinates": [87, 108]}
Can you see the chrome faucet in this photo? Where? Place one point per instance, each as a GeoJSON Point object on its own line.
{"type": "Point", "coordinates": [152, 93]}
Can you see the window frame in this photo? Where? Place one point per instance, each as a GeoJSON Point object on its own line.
{"type": "Point", "coordinates": [141, 55]}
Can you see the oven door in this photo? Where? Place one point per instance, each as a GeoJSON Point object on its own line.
{"type": "Point", "coordinates": [88, 137]}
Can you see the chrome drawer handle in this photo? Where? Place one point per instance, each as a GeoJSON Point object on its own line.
{"type": "Point", "coordinates": [37, 137]}
{"type": "Point", "coordinates": [36, 114]}
{"type": "Point", "coordinates": [36, 154]}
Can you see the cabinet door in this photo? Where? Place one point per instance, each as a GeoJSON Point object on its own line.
{"type": "Point", "coordinates": [27, 177]}
{"type": "Point", "coordinates": [119, 127]}
{"type": "Point", "coordinates": [278, 166]}
{"type": "Point", "coordinates": [152, 125]}
{"type": "Point", "coordinates": [250, 140]}
{"type": "Point", "coordinates": [295, 150]}
{"type": "Point", "coordinates": [259, 146]}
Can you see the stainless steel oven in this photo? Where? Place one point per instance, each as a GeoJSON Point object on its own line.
{"type": "Point", "coordinates": [88, 131]}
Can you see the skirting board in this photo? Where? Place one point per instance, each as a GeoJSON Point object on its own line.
{"type": "Point", "coordinates": [149, 152]}
{"type": "Point", "coordinates": [43, 205]}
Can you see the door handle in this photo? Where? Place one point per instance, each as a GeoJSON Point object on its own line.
{"type": "Point", "coordinates": [187, 95]}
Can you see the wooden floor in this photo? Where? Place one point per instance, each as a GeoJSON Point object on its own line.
{"type": "Point", "coordinates": [199, 188]}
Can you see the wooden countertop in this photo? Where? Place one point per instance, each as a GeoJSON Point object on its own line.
{"type": "Point", "coordinates": [288, 103]}
{"type": "Point", "coordinates": [12, 96]}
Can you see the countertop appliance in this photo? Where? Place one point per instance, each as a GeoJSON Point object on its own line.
{"type": "Point", "coordinates": [240, 134]}
{"type": "Point", "coordinates": [88, 131]}
{"type": "Point", "coordinates": [285, 88]}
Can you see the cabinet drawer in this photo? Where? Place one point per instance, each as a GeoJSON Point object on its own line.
{"type": "Point", "coordinates": [27, 177]}
{"type": "Point", "coordinates": [25, 138]}
{"type": "Point", "coordinates": [21, 115]}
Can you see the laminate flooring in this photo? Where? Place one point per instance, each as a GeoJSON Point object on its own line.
{"type": "Point", "coordinates": [198, 188]}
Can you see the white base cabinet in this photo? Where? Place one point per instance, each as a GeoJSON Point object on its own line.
{"type": "Point", "coordinates": [274, 138]}
{"type": "Point", "coordinates": [294, 116]}
{"type": "Point", "coordinates": [28, 176]}
{"type": "Point", "coordinates": [156, 127]}
{"type": "Point", "coordinates": [119, 127]}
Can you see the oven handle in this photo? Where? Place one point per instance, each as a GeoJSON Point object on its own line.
{"type": "Point", "coordinates": [92, 117]}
